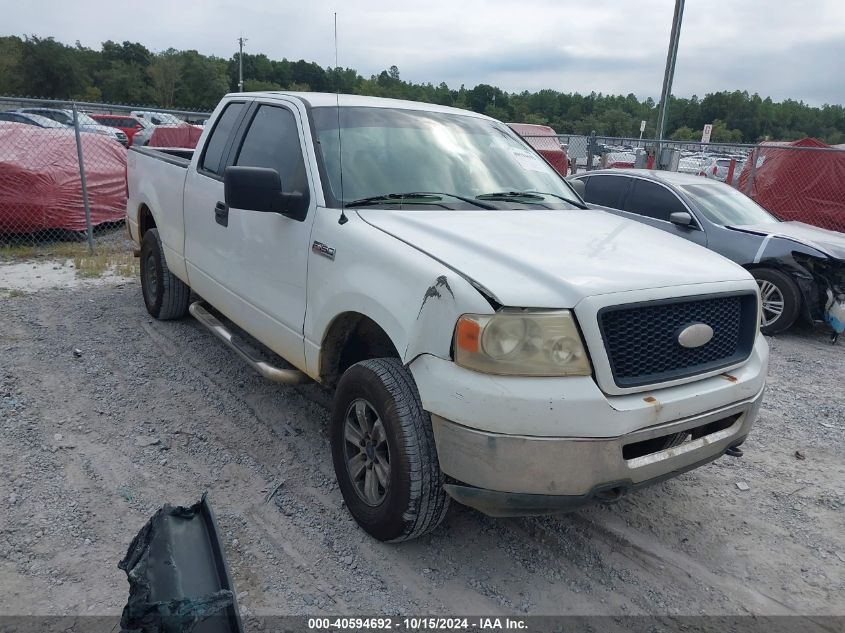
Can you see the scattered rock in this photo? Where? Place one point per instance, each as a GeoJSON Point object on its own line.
{"type": "Point", "coordinates": [77, 352]}
{"type": "Point", "coordinates": [743, 486]}
{"type": "Point", "coordinates": [800, 455]}
{"type": "Point", "coordinates": [145, 440]}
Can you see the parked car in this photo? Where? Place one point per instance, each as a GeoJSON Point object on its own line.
{"type": "Point", "coordinates": [184, 135]}
{"type": "Point", "coordinates": [142, 137]}
{"type": "Point", "coordinates": [158, 118]}
{"type": "Point", "coordinates": [719, 168]}
{"type": "Point", "coordinates": [40, 186]}
{"type": "Point", "coordinates": [546, 142]}
{"type": "Point", "coordinates": [476, 321]}
{"type": "Point", "coordinates": [30, 119]}
{"type": "Point", "coordinates": [800, 268]}
{"type": "Point", "coordinates": [86, 123]}
{"type": "Point", "coordinates": [128, 124]}
{"type": "Point", "coordinates": [806, 185]}
{"type": "Point", "coordinates": [693, 163]}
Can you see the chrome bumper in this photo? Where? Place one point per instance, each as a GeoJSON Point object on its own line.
{"type": "Point", "coordinates": [511, 475]}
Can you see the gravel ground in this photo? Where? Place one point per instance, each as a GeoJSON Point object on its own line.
{"type": "Point", "coordinates": [92, 443]}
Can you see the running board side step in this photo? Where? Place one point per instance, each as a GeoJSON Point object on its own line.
{"type": "Point", "coordinates": [270, 372]}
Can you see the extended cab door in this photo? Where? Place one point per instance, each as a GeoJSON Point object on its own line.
{"type": "Point", "coordinates": [252, 265]}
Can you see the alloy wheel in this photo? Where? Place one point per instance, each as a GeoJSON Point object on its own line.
{"type": "Point", "coordinates": [773, 302]}
{"type": "Point", "coordinates": [366, 452]}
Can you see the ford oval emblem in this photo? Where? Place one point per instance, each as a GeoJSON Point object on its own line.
{"type": "Point", "coordinates": [695, 335]}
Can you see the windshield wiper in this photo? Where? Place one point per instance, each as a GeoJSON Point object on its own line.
{"type": "Point", "coordinates": [510, 195]}
{"type": "Point", "coordinates": [525, 196]}
{"type": "Point", "coordinates": [554, 195]}
{"type": "Point", "coordinates": [421, 197]}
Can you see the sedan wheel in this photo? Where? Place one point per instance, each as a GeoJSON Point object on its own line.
{"type": "Point", "coordinates": [780, 299]}
{"type": "Point", "coordinates": [772, 302]}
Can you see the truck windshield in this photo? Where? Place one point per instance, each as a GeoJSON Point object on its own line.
{"type": "Point", "coordinates": [391, 150]}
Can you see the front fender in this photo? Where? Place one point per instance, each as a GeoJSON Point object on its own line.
{"type": "Point", "coordinates": [415, 299]}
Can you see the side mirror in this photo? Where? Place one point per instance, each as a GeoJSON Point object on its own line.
{"type": "Point", "coordinates": [260, 189]}
{"type": "Point", "coordinates": [579, 186]}
{"type": "Point", "coordinates": [681, 218]}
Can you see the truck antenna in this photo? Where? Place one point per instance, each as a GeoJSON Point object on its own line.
{"type": "Point", "coordinates": [342, 219]}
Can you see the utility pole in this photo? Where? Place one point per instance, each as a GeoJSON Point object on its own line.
{"type": "Point", "coordinates": [241, 41]}
{"type": "Point", "coordinates": [670, 69]}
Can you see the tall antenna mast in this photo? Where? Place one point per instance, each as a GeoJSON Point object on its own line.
{"type": "Point", "coordinates": [241, 41]}
{"type": "Point", "coordinates": [343, 218]}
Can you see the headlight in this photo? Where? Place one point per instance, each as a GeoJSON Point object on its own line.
{"type": "Point", "coordinates": [521, 343]}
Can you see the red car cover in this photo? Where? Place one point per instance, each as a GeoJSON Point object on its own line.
{"type": "Point", "coordinates": [803, 185]}
{"type": "Point", "coordinates": [40, 187]}
{"type": "Point", "coordinates": [549, 148]}
{"type": "Point", "coordinates": [175, 136]}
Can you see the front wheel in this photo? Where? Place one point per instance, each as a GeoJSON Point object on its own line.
{"type": "Point", "coordinates": [383, 451]}
{"type": "Point", "coordinates": [781, 300]}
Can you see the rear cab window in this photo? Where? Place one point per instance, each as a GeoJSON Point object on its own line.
{"type": "Point", "coordinates": [212, 156]}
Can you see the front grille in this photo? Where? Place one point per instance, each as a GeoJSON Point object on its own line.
{"type": "Point", "coordinates": [641, 340]}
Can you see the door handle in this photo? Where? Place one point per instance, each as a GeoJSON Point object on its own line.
{"type": "Point", "coordinates": [221, 214]}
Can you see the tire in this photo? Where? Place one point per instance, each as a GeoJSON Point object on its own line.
{"type": "Point", "coordinates": [412, 500]}
{"type": "Point", "coordinates": [778, 292]}
{"type": "Point", "coordinates": [165, 295]}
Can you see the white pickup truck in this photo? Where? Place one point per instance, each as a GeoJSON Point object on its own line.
{"type": "Point", "coordinates": [489, 338]}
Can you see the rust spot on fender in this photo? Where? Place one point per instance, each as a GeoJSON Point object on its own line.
{"type": "Point", "coordinates": [729, 378]}
{"type": "Point", "coordinates": [650, 399]}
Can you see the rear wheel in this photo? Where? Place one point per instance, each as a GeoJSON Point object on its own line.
{"type": "Point", "coordinates": [165, 295]}
{"type": "Point", "coordinates": [383, 451]}
{"type": "Point", "coordinates": [781, 300]}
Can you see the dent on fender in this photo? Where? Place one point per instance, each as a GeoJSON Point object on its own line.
{"type": "Point", "coordinates": [432, 292]}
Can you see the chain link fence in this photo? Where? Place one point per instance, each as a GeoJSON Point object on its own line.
{"type": "Point", "coordinates": [800, 180]}
{"type": "Point", "coordinates": [63, 169]}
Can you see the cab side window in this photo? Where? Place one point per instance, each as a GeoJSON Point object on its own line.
{"type": "Point", "coordinates": [652, 201]}
{"type": "Point", "coordinates": [607, 191]}
{"type": "Point", "coordinates": [273, 141]}
{"type": "Point", "coordinates": [216, 145]}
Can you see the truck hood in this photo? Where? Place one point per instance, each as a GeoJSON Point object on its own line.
{"type": "Point", "coordinates": [553, 259]}
{"type": "Point", "coordinates": [831, 243]}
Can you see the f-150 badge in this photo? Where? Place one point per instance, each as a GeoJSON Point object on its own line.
{"type": "Point", "coordinates": [322, 249]}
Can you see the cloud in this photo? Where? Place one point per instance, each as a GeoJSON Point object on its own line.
{"type": "Point", "coordinates": [786, 49]}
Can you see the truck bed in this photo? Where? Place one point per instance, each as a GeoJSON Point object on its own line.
{"type": "Point", "coordinates": [180, 156]}
{"type": "Point", "coordinates": [156, 181]}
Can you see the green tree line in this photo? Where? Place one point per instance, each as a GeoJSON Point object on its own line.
{"type": "Point", "coordinates": [129, 73]}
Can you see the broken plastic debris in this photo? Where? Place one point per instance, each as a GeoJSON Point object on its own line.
{"type": "Point", "coordinates": [178, 576]}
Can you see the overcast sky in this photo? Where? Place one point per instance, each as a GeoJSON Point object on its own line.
{"type": "Point", "coordinates": [781, 48]}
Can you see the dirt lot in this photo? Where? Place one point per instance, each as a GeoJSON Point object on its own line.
{"type": "Point", "coordinates": [148, 412]}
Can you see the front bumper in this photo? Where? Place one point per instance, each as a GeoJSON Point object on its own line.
{"type": "Point", "coordinates": [513, 475]}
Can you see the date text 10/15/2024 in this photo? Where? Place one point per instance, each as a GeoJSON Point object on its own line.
{"type": "Point", "coordinates": [417, 624]}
